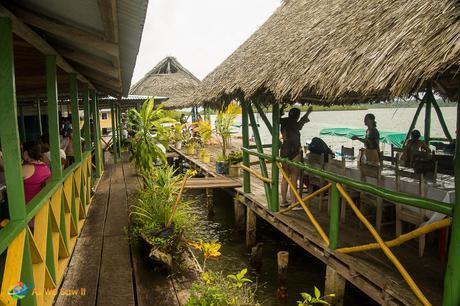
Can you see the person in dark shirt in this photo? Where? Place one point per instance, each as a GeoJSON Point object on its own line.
{"type": "Point", "coordinates": [372, 139]}
{"type": "Point", "coordinates": [290, 147]}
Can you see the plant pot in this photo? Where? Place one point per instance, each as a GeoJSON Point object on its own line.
{"type": "Point", "coordinates": [190, 150]}
{"type": "Point", "coordinates": [234, 170]}
{"type": "Point", "coordinates": [221, 167]}
{"type": "Point", "coordinates": [178, 145]}
{"type": "Point", "coordinates": [206, 157]}
{"type": "Point", "coordinates": [199, 153]}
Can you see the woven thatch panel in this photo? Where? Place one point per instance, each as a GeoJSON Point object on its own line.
{"type": "Point", "coordinates": [168, 79]}
{"type": "Point", "coordinates": [344, 50]}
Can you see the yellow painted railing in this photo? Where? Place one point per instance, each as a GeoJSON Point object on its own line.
{"type": "Point", "coordinates": [38, 248]}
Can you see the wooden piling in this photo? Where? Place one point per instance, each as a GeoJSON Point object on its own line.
{"type": "Point", "coordinates": [251, 219]}
{"type": "Point", "coordinates": [335, 284]}
{"type": "Point", "coordinates": [283, 262]}
{"type": "Point", "coordinates": [257, 255]}
{"type": "Point", "coordinates": [240, 212]}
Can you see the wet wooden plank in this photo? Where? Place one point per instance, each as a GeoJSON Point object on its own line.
{"type": "Point", "coordinates": [211, 182]}
{"type": "Point", "coordinates": [117, 214]}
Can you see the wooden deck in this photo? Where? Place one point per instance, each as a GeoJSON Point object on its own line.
{"type": "Point", "coordinates": [104, 264]}
{"type": "Point", "coordinates": [370, 271]}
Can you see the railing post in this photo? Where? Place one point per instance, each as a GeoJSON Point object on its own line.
{"type": "Point", "coordinates": [76, 142]}
{"type": "Point", "coordinates": [97, 136]}
{"type": "Point", "coordinates": [274, 204]}
{"type": "Point", "coordinates": [245, 128]}
{"type": "Point", "coordinates": [335, 217]}
{"type": "Point", "coordinates": [9, 131]}
{"type": "Point", "coordinates": [53, 117]}
{"type": "Point", "coordinates": [114, 133]}
{"type": "Point", "coordinates": [452, 276]}
{"type": "Point", "coordinates": [87, 116]}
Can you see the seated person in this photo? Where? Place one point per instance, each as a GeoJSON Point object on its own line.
{"type": "Point", "coordinates": [318, 146]}
{"type": "Point", "coordinates": [35, 171]}
{"type": "Point", "coordinates": [45, 145]}
{"type": "Point", "coordinates": [412, 147]}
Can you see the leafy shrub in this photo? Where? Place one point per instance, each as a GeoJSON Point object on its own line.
{"type": "Point", "coordinates": [308, 299]}
{"type": "Point", "coordinates": [159, 214]}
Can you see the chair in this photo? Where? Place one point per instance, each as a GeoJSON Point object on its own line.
{"type": "Point", "coordinates": [415, 216]}
{"type": "Point", "coordinates": [347, 152]}
{"type": "Point", "coordinates": [317, 161]}
{"type": "Point", "coordinates": [373, 171]}
{"type": "Point", "coordinates": [394, 154]}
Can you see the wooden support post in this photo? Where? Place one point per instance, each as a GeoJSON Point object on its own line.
{"type": "Point", "coordinates": [335, 284]}
{"type": "Point", "coordinates": [53, 117]}
{"type": "Point", "coordinates": [114, 133]}
{"type": "Point", "coordinates": [23, 124]}
{"type": "Point", "coordinates": [87, 116]}
{"type": "Point", "coordinates": [97, 136]}
{"type": "Point", "coordinates": [251, 219]}
{"type": "Point", "coordinates": [39, 115]}
{"type": "Point", "coordinates": [263, 166]}
{"type": "Point", "coordinates": [245, 125]}
{"type": "Point", "coordinates": [210, 201]}
{"type": "Point", "coordinates": [435, 105]}
{"type": "Point", "coordinates": [283, 263]}
{"type": "Point", "coordinates": [257, 253]}
{"type": "Point", "coordinates": [9, 132]}
{"type": "Point", "coordinates": [452, 276]}
{"type": "Point", "coordinates": [76, 141]}
{"type": "Point", "coordinates": [119, 128]}
{"type": "Point", "coordinates": [414, 120]}
{"type": "Point", "coordinates": [275, 200]}
{"type": "Point", "coordinates": [240, 212]}
{"type": "Point", "coordinates": [427, 129]}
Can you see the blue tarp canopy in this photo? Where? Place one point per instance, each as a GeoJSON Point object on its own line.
{"type": "Point", "coordinates": [394, 138]}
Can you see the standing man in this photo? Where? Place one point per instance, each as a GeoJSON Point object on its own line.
{"type": "Point", "coordinates": [290, 147]}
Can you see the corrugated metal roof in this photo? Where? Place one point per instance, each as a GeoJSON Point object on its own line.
{"type": "Point", "coordinates": [85, 15]}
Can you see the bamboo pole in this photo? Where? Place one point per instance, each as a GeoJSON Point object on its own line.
{"type": "Point", "coordinates": [414, 120]}
{"type": "Point", "coordinates": [275, 202]}
{"type": "Point", "coordinates": [427, 129]}
{"type": "Point", "coordinates": [264, 117]}
{"type": "Point", "coordinates": [39, 115]}
{"type": "Point", "coordinates": [114, 133]}
{"type": "Point", "coordinates": [257, 175]}
{"type": "Point", "coordinates": [452, 276]}
{"type": "Point", "coordinates": [441, 119]}
{"type": "Point", "coordinates": [246, 159]}
{"type": "Point", "coordinates": [334, 223]}
{"type": "Point", "coordinates": [401, 239]}
{"type": "Point", "coordinates": [76, 140]}
{"type": "Point", "coordinates": [386, 250]}
{"type": "Point", "coordinates": [310, 216]}
{"type": "Point", "coordinates": [307, 198]}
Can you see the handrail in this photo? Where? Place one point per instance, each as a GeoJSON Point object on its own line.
{"type": "Point", "coordinates": [399, 197]}
{"type": "Point", "coordinates": [257, 175]}
{"type": "Point", "coordinates": [12, 229]}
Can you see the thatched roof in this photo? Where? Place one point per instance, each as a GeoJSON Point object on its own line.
{"type": "Point", "coordinates": [344, 51]}
{"type": "Point", "coordinates": [168, 79]}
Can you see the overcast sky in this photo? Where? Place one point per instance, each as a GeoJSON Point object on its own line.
{"type": "Point", "coordinates": [199, 33]}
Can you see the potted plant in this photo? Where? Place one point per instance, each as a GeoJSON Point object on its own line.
{"type": "Point", "coordinates": [234, 160]}
{"type": "Point", "coordinates": [221, 165]}
{"type": "Point", "coordinates": [177, 135]}
{"type": "Point", "coordinates": [204, 131]}
{"type": "Point", "coordinates": [190, 147]}
{"type": "Point", "coordinates": [225, 118]}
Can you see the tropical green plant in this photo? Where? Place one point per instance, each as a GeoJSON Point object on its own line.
{"type": "Point", "coordinates": [178, 132]}
{"type": "Point", "coordinates": [150, 133]}
{"type": "Point", "coordinates": [204, 130]}
{"type": "Point", "coordinates": [214, 289]}
{"type": "Point", "coordinates": [159, 214]}
{"type": "Point", "coordinates": [308, 299]}
{"type": "Point", "coordinates": [239, 278]}
{"type": "Point", "coordinates": [235, 157]}
{"type": "Point", "coordinates": [225, 119]}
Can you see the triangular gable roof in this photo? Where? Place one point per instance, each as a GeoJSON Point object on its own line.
{"type": "Point", "coordinates": [168, 79]}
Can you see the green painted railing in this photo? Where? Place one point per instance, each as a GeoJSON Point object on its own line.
{"type": "Point", "coordinates": [386, 194]}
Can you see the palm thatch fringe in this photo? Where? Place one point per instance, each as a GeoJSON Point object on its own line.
{"type": "Point", "coordinates": [343, 51]}
{"type": "Point", "coordinates": [168, 79]}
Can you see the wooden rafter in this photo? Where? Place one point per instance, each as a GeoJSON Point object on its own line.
{"type": "Point", "coordinates": [31, 37]}
{"type": "Point", "coordinates": [66, 31]}
{"type": "Point", "coordinates": [90, 61]}
{"type": "Point", "coordinates": [109, 16]}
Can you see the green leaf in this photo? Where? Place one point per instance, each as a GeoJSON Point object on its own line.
{"type": "Point", "coordinates": [317, 293]}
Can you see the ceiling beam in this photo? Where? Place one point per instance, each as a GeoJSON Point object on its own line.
{"type": "Point", "coordinates": [109, 16]}
{"type": "Point", "coordinates": [65, 31]}
{"type": "Point", "coordinates": [30, 36]}
{"type": "Point", "coordinates": [95, 75]}
{"type": "Point", "coordinates": [89, 61]}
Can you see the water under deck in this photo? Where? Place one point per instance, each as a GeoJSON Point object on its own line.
{"type": "Point", "coordinates": [370, 271]}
